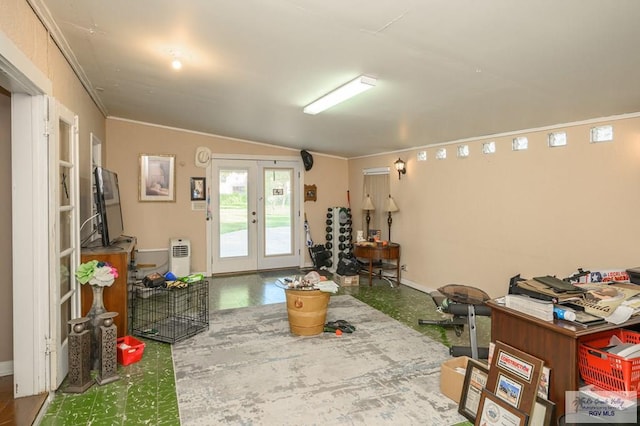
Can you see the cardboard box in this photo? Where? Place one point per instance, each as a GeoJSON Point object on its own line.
{"type": "Point", "coordinates": [347, 280]}
{"type": "Point", "coordinates": [452, 377]}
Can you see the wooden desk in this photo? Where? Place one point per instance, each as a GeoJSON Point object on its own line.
{"type": "Point", "coordinates": [376, 252]}
{"type": "Point", "coordinates": [554, 342]}
{"type": "Point", "coordinates": [116, 297]}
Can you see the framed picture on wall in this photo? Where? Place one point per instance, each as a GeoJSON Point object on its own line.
{"type": "Point", "coordinates": [157, 177]}
{"type": "Point", "coordinates": [198, 188]}
{"type": "Point", "coordinates": [310, 193]}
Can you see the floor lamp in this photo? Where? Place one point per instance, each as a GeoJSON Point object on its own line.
{"type": "Point", "coordinates": [391, 207]}
{"type": "Point", "coordinates": [368, 207]}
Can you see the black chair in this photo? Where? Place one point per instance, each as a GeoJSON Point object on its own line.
{"type": "Point", "coordinates": [464, 303]}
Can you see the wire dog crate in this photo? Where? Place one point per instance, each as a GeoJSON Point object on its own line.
{"type": "Point", "coordinates": [170, 314]}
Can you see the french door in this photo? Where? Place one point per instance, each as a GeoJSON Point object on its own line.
{"type": "Point", "coordinates": [64, 223]}
{"type": "Point", "coordinates": [255, 214]}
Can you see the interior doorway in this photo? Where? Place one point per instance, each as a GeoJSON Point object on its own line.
{"type": "Point", "coordinates": [255, 214]}
{"type": "Point", "coordinates": [30, 281]}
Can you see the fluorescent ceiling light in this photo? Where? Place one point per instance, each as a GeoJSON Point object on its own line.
{"type": "Point", "coordinates": [341, 94]}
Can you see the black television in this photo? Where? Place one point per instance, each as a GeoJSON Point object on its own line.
{"type": "Point", "coordinates": [109, 211]}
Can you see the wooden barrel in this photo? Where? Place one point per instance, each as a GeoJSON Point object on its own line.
{"type": "Point", "coordinates": [307, 311]}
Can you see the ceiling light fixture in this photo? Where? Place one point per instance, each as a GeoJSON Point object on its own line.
{"type": "Point", "coordinates": [341, 94]}
{"type": "Point", "coordinates": [176, 56]}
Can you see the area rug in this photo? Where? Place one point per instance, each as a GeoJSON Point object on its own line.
{"type": "Point", "coordinates": [248, 369]}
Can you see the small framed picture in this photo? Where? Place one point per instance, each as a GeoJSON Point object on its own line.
{"type": "Point", "coordinates": [157, 178]}
{"type": "Point", "coordinates": [543, 388]}
{"type": "Point", "coordinates": [495, 411]}
{"type": "Point", "coordinates": [509, 390]}
{"type": "Point", "coordinates": [543, 412]}
{"type": "Point", "coordinates": [198, 188]}
{"type": "Point", "coordinates": [310, 193]}
{"type": "Point", "coordinates": [475, 379]}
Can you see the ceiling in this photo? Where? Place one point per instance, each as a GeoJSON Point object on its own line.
{"type": "Point", "coordinates": [446, 70]}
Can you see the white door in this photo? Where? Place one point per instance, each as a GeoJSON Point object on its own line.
{"type": "Point", "coordinates": [256, 215]}
{"type": "Point", "coordinates": [278, 208]}
{"type": "Point", "coordinates": [234, 202]}
{"type": "Point", "coordinates": [64, 224]}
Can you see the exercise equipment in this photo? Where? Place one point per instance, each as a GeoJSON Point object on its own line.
{"type": "Point", "coordinates": [464, 309]}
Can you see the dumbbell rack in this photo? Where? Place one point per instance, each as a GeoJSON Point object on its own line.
{"type": "Point", "coordinates": [339, 239]}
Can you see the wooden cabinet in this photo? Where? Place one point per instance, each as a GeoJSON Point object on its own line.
{"type": "Point", "coordinates": [554, 342]}
{"type": "Point", "coordinates": [116, 297]}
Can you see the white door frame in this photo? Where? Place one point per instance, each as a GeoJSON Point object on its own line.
{"type": "Point", "coordinates": [211, 214]}
{"type": "Point", "coordinates": [30, 233]}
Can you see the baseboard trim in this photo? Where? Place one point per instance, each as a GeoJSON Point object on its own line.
{"type": "Point", "coordinates": [423, 288]}
{"type": "Point", "coordinates": [6, 368]}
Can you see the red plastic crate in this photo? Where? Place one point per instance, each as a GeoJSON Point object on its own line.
{"type": "Point", "coordinates": [609, 371]}
{"type": "Point", "coordinates": [130, 350]}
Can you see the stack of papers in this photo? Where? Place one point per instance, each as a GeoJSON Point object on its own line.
{"type": "Point", "coordinates": [547, 292]}
{"type": "Point", "coordinates": [633, 303]}
{"type": "Point", "coordinates": [608, 301]}
{"type": "Point", "coordinates": [536, 308]}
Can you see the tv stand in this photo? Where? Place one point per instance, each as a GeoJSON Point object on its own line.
{"type": "Point", "coordinates": [121, 256]}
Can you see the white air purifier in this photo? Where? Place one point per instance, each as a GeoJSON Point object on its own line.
{"type": "Point", "coordinates": [180, 257]}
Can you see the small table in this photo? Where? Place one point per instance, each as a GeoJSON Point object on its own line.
{"type": "Point", "coordinates": [373, 252]}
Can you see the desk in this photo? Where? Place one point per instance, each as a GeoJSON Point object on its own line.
{"type": "Point", "coordinates": [375, 252]}
{"type": "Point", "coordinates": [116, 297]}
{"type": "Point", "coordinates": [554, 342]}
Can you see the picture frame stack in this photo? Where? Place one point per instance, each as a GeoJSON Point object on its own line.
{"type": "Point", "coordinates": [509, 390]}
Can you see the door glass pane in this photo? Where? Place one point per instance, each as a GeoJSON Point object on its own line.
{"type": "Point", "coordinates": [65, 230]}
{"type": "Point", "coordinates": [233, 214]}
{"type": "Point", "coordinates": [65, 187]}
{"type": "Point", "coordinates": [65, 316]}
{"type": "Point", "coordinates": [278, 212]}
{"type": "Point", "coordinates": [65, 275]}
{"type": "Point", "coordinates": [64, 139]}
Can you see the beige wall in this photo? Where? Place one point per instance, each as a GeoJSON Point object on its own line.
{"type": "Point", "coordinates": [482, 219]}
{"type": "Point", "coordinates": [6, 291]}
{"type": "Point", "coordinates": [21, 25]}
{"type": "Point", "coordinates": [154, 223]}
